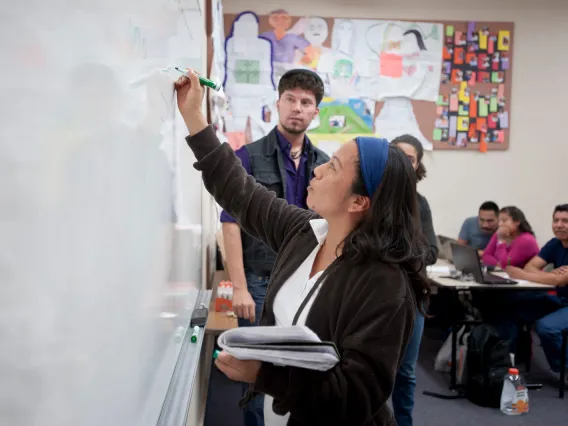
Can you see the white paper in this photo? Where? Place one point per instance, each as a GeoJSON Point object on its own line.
{"type": "Point", "coordinates": [504, 120]}
{"type": "Point", "coordinates": [249, 79]}
{"type": "Point", "coordinates": [218, 36]}
{"type": "Point", "coordinates": [397, 118]}
{"type": "Point", "coordinates": [411, 62]}
{"type": "Point", "coordinates": [343, 37]}
{"type": "Point", "coordinates": [320, 358]}
{"type": "Point", "coordinates": [438, 269]}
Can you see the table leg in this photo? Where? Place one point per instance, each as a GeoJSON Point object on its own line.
{"type": "Point", "coordinates": [453, 368]}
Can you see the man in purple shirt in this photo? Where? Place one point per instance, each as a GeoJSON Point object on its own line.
{"type": "Point", "coordinates": [283, 161]}
{"type": "Point", "coordinates": [284, 44]}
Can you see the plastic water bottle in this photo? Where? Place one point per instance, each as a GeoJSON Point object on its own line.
{"type": "Point", "coordinates": [515, 395]}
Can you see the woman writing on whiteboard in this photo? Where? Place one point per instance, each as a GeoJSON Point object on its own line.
{"type": "Point", "coordinates": [350, 270]}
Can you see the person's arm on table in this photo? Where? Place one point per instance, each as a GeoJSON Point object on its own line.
{"type": "Point", "coordinates": [258, 211]}
{"type": "Point", "coordinates": [535, 265]}
{"type": "Point", "coordinates": [543, 258]}
{"type": "Point", "coordinates": [541, 277]}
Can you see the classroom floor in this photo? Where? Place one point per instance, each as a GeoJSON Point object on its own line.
{"type": "Point", "coordinates": [545, 406]}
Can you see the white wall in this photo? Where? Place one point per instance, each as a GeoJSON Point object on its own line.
{"type": "Point", "coordinates": [532, 173]}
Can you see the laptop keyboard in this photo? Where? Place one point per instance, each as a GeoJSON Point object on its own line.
{"type": "Point", "coordinates": [494, 279]}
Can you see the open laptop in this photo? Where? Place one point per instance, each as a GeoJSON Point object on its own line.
{"type": "Point", "coordinates": [466, 260]}
{"type": "Point", "coordinates": [445, 247]}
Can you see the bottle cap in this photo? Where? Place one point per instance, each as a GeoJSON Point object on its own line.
{"type": "Point", "coordinates": [514, 371]}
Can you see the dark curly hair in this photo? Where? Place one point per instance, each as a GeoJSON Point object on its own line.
{"type": "Point", "coordinates": [415, 143]}
{"type": "Point", "coordinates": [302, 79]}
{"type": "Point", "coordinates": [391, 232]}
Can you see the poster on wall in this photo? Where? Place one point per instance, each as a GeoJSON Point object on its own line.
{"type": "Point", "coordinates": [248, 82]}
{"type": "Point", "coordinates": [381, 77]}
{"type": "Point", "coordinates": [473, 107]}
{"type": "Point", "coordinates": [472, 111]}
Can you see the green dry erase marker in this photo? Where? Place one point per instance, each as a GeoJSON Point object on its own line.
{"type": "Point", "coordinates": [216, 353]}
{"type": "Point", "coordinates": [195, 334]}
{"type": "Point", "coordinates": [204, 81]}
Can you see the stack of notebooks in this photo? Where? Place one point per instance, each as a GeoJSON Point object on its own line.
{"type": "Point", "coordinates": [294, 346]}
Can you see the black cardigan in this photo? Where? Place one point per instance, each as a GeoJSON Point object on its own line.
{"type": "Point", "coordinates": [428, 229]}
{"type": "Point", "coordinates": [367, 310]}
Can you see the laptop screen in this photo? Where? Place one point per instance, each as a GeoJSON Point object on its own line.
{"type": "Point", "coordinates": [466, 260]}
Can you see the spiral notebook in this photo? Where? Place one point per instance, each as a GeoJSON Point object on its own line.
{"type": "Point", "coordinates": [294, 346]}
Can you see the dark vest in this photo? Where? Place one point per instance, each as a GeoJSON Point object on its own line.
{"type": "Point", "coordinates": [267, 167]}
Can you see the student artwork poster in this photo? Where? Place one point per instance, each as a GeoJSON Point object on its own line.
{"type": "Point", "coordinates": [346, 53]}
{"type": "Point", "coordinates": [475, 88]}
{"type": "Point", "coordinates": [431, 75]}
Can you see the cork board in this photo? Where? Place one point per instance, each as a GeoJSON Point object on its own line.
{"type": "Point", "coordinates": [473, 109]}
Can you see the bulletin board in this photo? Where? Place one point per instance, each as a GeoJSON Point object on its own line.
{"type": "Point", "coordinates": [461, 102]}
{"type": "Point", "coordinates": [475, 89]}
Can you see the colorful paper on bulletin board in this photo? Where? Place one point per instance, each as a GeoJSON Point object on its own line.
{"type": "Point", "coordinates": [347, 55]}
{"type": "Point", "coordinates": [344, 116]}
{"type": "Point", "coordinates": [477, 81]}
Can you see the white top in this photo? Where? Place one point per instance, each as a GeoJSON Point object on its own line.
{"type": "Point", "coordinates": [288, 300]}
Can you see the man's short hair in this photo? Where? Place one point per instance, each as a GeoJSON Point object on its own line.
{"type": "Point", "coordinates": [302, 79]}
{"type": "Point", "coordinates": [490, 206]}
{"type": "Point", "coordinates": [278, 12]}
{"type": "Point", "coordinates": [560, 208]}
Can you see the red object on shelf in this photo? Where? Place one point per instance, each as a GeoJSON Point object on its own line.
{"type": "Point", "coordinates": [224, 299]}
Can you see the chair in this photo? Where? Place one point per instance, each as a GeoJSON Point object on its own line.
{"type": "Point", "coordinates": [563, 363]}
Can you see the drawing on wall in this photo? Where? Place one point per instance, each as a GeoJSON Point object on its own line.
{"type": "Point", "coordinates": [411, 69]}
{"type": "Point", "coordinates": [315, 32]}
{"type": "Point", "coordinates": [475, 66]}
{"type": "Point", "coordinates": [409, 58]}
{"type": "Point", "coordinates": [249, 75]}
{"type": "Point", "coordinates": [351, 115]}
{"type": "Point", "coordinates": [287, 43]}
{"type": "Point", "coordinates": [343, 36]}
{"type": "Point", "coordinates": [409, 62]}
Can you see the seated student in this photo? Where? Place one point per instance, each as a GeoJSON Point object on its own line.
{"type": "Point", "coordinates": [476, 231]}
{"type": "Point", "coordinates": [550, 311]}
{"type": "Point", "coordinates": [514, 242]}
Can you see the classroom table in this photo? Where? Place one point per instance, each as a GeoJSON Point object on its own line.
{"type": "Point", "coordinates": [439, 273]}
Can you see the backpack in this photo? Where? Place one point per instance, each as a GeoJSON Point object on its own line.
{"type": "Point", "coordinates": [488, 362]}
{"type": "Point", "coordinates": [443, 360]}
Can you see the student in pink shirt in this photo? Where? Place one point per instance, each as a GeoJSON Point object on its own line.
{"type": "Point", "coordinates": [514, 243]}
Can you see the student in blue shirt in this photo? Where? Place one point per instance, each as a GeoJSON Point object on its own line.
{"type": "Point", "coordinates": [476, 231]}
{"type": "Point", "coordinates": [551, 311]}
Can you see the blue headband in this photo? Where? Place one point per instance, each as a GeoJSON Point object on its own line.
{"type": "Point", "coordinates": [373, 156]}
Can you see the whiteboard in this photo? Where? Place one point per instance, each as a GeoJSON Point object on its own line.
{"type": "Point", "coordinates": [96, 183]}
